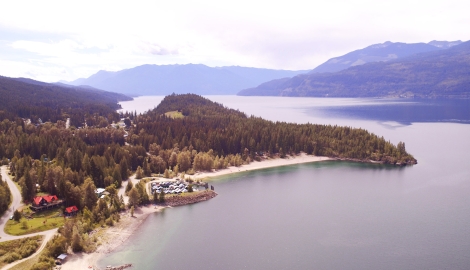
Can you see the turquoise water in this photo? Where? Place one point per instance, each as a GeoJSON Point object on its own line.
{"type": "Point", "coordinates": [324, 215]}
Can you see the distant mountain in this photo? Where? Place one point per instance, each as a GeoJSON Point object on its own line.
{"type": "Point", "coordinates": [444, 44]}
{"type": "Point", "coordinates": [435, 74]}
{"type": "Point", "coordinates": [26, 98]}
{"type": "Point", "coordinates": [179, 79]}
{"type": "Point", "coordinates": [381, 52]}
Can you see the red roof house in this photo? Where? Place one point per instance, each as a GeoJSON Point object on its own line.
{"type": "Point", "coordinates": [71, 211]}
{"type": "Point", "coordinates": [39, 201]}
{"type": "Point", "coordinates": [50, 199]}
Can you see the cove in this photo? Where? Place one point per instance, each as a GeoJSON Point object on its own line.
{"type": "Point", "coordinates": [324, 215]}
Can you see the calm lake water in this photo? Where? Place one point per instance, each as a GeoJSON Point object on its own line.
{"type": "Point", "coordinates": [327, 215]}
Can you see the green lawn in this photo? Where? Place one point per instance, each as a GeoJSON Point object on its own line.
{"type": "Point", "coordinates": [174, 114]}
{"type": "Point", "coordinates": [39, 222]}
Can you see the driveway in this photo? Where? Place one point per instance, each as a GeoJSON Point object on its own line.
{"type": "Point", "coordinates": [122, 190]}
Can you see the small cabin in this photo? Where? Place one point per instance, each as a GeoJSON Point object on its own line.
{"type": "Point", "coordinates": [60, 259]}
{"type": "Point", "coordinates": [71, 211]}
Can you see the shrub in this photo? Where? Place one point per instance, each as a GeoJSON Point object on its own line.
{"type": "Point", "coordinates": [11, 257]}
{"type": "Point", "coordinates": [24, 225]}
{"type": "Point", "coordinates": [110, 221]}
{"type": "Point", "coordinates": [42, 266]}
{"type": "Point", "coordinates": [28, 249]}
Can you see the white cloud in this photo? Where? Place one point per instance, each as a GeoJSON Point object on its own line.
{"type": "Point", "coordinates": [91, 35]}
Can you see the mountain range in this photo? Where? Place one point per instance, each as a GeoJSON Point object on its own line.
{"type": "Point", "coordinates": [190, 78]}
{"type": "Point", "coordinates": [439, 73]}
{"type": "Point", "coordinates": [381, 53]}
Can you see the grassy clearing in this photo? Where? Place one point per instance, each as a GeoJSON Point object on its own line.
{"type": "Point", "coordinates": [14, 250]}
{"type": "Point", "coordinates": [40, 222]}
{"type": "Point", "coordinates": [174, 114]}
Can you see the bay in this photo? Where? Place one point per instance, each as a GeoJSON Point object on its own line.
{"type": "Point", "coordinates": [326, 215]}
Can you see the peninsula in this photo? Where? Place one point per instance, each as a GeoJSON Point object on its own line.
{"type": "Point", "coordinates": [92, 166]}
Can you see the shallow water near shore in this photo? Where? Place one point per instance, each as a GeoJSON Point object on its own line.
{"type": "Point", "coordinates": [324, 215]}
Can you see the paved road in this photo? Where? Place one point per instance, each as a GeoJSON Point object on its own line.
{"type": "Point", "coordinates": [16, 203]}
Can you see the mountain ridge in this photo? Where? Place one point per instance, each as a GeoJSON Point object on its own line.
{"type": "Point", "coordinates": [381, 52]}
{"type": "Point", "coordinates": [195, 78]}
{"type": "Point", "coordinates": [435, 74]}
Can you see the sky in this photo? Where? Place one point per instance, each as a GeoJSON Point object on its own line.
{"type": "Point", "coordinates": [65, 40]}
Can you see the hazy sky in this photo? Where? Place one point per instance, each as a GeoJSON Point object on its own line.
{"type": "Point", "coordinates": [65, 40]}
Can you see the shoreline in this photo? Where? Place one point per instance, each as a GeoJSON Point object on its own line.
{"type": "Point", "coordinates": [113, 237]}
{"type": "Point", "coordinates": [259, 165]}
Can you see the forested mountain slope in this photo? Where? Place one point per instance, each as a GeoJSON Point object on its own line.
{"type": "Point", "coordinates": [36, 100]}
{"type": "Point", "coordinates": [383, 52]}
{"type": "Point", "coordinates": [437, 74]}
{"type": "Point", "coordinates": [208, 126]}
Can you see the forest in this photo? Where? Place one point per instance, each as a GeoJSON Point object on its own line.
{"type": "Point", "coordinates": [208, 126]}
{"type": "Point", "coordinates": [36, 100]}
{"type": "Point", "coordinates": [72, 162]}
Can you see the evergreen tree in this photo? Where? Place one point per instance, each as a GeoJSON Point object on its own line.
{"type": "Point", "coordinates": [124, 168]}
{"type": "Point", "coordinates": [89, 195]}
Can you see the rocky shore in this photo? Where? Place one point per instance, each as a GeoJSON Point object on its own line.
{"type": "Point", "coordinates": [185, 199]}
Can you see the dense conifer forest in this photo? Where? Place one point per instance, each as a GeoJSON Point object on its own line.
{"type": "Point", "coordinates": [184, 134]}
{"type": "Point", "coordinates": [208, 126]}
{"type": "Point", "coordinates": [49, 102]}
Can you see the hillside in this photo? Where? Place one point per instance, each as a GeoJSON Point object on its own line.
{"type": "Point", "coordinates": [380, 53]}
{"type": "Point", "coordinates": [167, 79]}
{"type": "Point", "coordinates": [36, 100]}
{"type": "Point", "coordinates": [210, 127]}
{"type": "Point", "coordinates": [436, 74]}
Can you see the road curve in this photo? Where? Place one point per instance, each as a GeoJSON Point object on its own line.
{"type": "Point", "coordinates": [16, 203]}
{"type": "Point", "coordinates": [47, 236]}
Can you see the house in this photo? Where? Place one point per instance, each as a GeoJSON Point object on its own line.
{"type": "Point", "coordinates": [39, 201]}
{"type": "Point", "coordinates": [71, 211]}
{"type": "Point", "coordinates": [50, 199]}
{"type": "Point", "coordinates": [45, 202]}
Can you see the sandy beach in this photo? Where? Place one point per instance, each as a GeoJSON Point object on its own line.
{"type": "Point", "coordinates": [257, 165]}
{"type": "Point", "coordinates": [111, 238]}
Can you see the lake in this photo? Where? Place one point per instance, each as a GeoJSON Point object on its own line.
{"type": "Point", "coordinates": [327, 215]}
